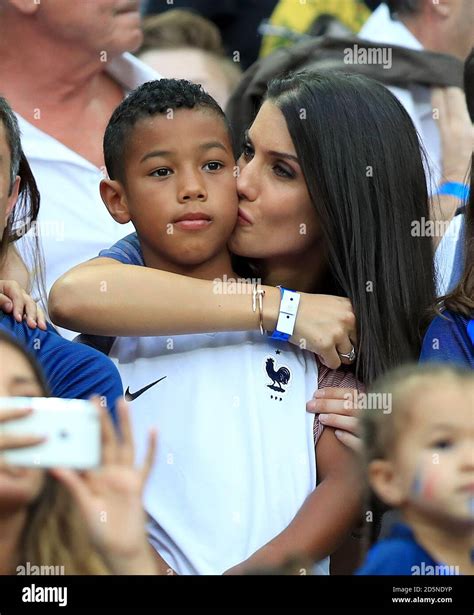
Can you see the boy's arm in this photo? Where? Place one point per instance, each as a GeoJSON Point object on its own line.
{"type": "Point", "coordinates": [105, 297]}
{"type": "Point", "coordinates": [327, 516]}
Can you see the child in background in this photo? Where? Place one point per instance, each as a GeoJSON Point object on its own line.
{"type": "Point", "coordinates": [420, 458]}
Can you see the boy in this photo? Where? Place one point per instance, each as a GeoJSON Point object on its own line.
{"type": "Point", "coordinates": [421, 461]}
{"type": "Point", "coordinates": [236, 461]}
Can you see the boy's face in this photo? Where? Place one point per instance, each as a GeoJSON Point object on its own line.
{"type": "Point", "coordinates": [180, 187]}
{"type": "Point", "coordinates": [433, 463]}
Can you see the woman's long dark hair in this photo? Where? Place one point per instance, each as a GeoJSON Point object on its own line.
{"type": "Point", "coordinates": [362, 162]}
{"type": "Point", "coordinates": [24, 215]}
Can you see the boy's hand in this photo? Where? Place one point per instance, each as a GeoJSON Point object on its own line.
{"type": "Point", "coordinates": [336, 409]}
{"type": "Point", "coordinates": [325, 325]}
{"type": "Point", "coordinates": [110, 498]}
{"type": "Point", "coordinates": [16, 301]}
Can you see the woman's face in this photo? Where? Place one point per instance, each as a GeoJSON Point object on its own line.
{"type": "Point", "coordinates": [19, 487]}
{"type": "Point", "coordinates": [276, 216]}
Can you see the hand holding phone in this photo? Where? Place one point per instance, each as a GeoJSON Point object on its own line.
{"type": "Point", "coordinates": [45, 432]}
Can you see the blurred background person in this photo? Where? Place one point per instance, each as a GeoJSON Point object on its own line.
{"type": "Point", "coordinates": [445, 27]}
{"type": "Point", "coordinates": [237, 20]}
{"type": "Point", "coordinates": [181, 44]}
{"type": "Point", "coordinates": [424, 472]}
{"type": "Point", "coordinates": [293, 21]}
{"type": "Point", "coordinates": [73, 370]}
{"type": "Point", "coordinates": [64, 72]}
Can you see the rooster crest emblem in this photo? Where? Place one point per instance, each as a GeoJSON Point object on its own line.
{"type": "Point", "coordinates": [278, 377]}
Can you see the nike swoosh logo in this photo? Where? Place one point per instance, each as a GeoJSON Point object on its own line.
{"type": "Point", "coordinates": [131, 396]}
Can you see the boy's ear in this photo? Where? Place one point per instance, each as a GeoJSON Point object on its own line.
{"type": "Point", "coordinates": [385, 482]}
{"type": "Point", "coordinates": [113, 195]}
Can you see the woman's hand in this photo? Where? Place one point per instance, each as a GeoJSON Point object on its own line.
{"type": "Point", "coordinates": [337, 408]}
{"type": "Point", "coordinates": [8, 441]}
{"type": "Point", "coordinates": [325, 325]}
{"type": "Point", "coordinates": [110, 498]}
{"type": "Point", "coordinates": [16, 301]}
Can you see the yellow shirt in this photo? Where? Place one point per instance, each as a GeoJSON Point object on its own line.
{"type": "Point", "coordinates": [298, 15]}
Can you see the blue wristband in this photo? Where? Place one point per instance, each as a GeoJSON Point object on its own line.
{"type": "Point", "coordinates": [460, 191]}
{"type": "Point", "coordinates": [287, 315]}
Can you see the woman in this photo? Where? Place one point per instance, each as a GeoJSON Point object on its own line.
{"type": "Point", "coordinates": [53, 518]}
{"type": "Point", "coordinates": [330, 180]}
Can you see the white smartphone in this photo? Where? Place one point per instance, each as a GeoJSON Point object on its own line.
{"type": "Point", "coordinates": [71, 427]}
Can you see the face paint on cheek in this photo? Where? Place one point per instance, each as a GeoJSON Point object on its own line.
{"type": "Point", "coordinates": [424, 484]}
{"type": "Point", "coordinates": [417, 484]}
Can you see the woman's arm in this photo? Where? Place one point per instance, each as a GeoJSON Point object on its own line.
{"type": "Point", "coordinates": [326, 518]}
{"type": "Point", "coordinates": [457, 141]}
{"type": "Point", "coordinates": [105, 297]}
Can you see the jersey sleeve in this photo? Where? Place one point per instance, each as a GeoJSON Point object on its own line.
{"type": "Point", "coordinates": [446, 341]}
{"type": "Point", "coordinates": [126, 251]}
{"type": "Point", "coordinates": [72, 370]}
{"type": "Point", "coordinates": [77, 371]}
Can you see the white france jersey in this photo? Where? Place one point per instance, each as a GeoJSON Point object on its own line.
{"type": "Point", "coordinates": [236, 456]}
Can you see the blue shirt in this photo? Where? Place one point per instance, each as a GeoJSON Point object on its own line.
{"type": "Point", "coordinates": [73, 371]}
{"type": "Point", "coordinates": [400, 554]}
{"type": "Point", "coordinates": [447, 340]}
{"type": "Point", "coordinates": [126, 250]}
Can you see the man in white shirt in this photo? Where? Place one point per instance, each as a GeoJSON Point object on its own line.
{"type": "Point", "coordinates": [64, 69]}
{"type": "Point", "coordinates": [445, 27]}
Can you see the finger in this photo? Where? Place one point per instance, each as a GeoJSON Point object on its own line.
{"type": "Point", "coordinates": [8, 442]}
{"type": "Point", "coordinates": [30, 310]}
{"type": "Point", "coordinates": [17, 413]}
{"type": "Point", "coordinates": [330, 358]}
{"type": "Point", "coordinates": [350, 440]}
{"type": "Point", "coordinates": [150, 455]}
{"type": "Point", "coordinates": [108, 436]}
{"type": "Point", "coordinates": [14, 292]}
{"type": "Point", "coordinates": [345, 347]}
{"type": "Point", "coordinates": [345, 393]}
{"type": "Point", "coordinates": [41, 319]}
{"type": "Point", "coordinates": [126, 448]}
{"type": "Point", "coordinates": [339, 421]}
{"type": "Point", "coordinates": [336, 406]}
{"type": "Point", "coordinates": [5, 304]}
